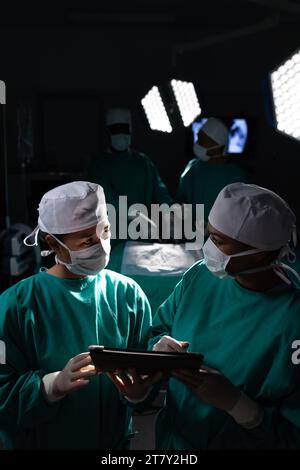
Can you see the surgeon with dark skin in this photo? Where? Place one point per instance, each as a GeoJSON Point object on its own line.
{"type": "Point", "coordinates": [239, 307]}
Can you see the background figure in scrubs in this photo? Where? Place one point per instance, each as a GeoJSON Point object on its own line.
{"type": "Point", "coordinates": [211, 170]}
{"type": "Point", "coordinates": [122, 171]}
{"type": "Point", "coordinates": [50, 394]}
{"type": "Point", "coordinates": [239, 308]}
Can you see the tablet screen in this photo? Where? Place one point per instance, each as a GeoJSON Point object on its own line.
{"type": "Point", "coordinates": [145, 362]}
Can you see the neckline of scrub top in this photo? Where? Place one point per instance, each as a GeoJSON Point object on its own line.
{"type": "Point", "coordinates": [228, 164]}
{"type": "Point", "coordinates": [121, 155]}
{"type": "Point", "coordinates": [72, 284]}
{"type": "Point", "coordinates": [279, 288]}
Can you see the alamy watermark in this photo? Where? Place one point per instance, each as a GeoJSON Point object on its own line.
{"type": "Point", "coordinates": [2, 92]}
{"type": "Point", "coordinates": [160, 222]}
{"type": "Point", "coordinates": [296, 354]}
{"type": "Point", "coordinates": [2, 352]}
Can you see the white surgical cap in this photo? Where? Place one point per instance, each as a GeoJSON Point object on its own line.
{"type": "Point", "coordinates": [253, 215]}
{"type": "Point", "coordinates": [216, 130]}
{"type": "Point", "coordinates": [118, 116]}
{"type": "Point", "coordinates": [70, 208]}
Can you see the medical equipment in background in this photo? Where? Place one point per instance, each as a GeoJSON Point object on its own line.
{"type": "Point", "coordinates": [238, 133]}
{"type": "Point", "coordinates": [15, 258]}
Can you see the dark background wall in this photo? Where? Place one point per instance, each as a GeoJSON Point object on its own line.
{"type": "Point", "coordinates": [65, 64]}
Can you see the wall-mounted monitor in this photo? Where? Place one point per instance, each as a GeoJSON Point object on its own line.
{"type": "Point", "coordinates": [238, 133]}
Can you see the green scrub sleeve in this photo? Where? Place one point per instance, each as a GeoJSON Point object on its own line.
{"type": "Point", "coordinates": [184, 192]}
{"type": "Point", "coordinates": [22, 404]}
{"type": "Point", "coordinates": [143, 319]}
{"type": "Point", "coordinates": [164, 317]}
{"type": "Point", "coordinates": [179, 198]}
{"type": "Point", "coordinates": [279, 429]}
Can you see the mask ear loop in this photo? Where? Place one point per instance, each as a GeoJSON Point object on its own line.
{"type": "Point", "coordinates": [35, 243]}
{"type": "Point", "coordinates": [46, 252]}
{"type": "Point", "coordinates": [35, 232]}
{"type": "Point", "coordinates": [285, 278]}
{"type": "Point", "coordinates": [287, 252]}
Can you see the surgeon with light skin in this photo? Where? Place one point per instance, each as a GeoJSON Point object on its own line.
{"type": "Point", "coordinates": [211, 169]}
{"type": "Point", "coordinates": [51, 395]}
{"type": "Point", "coordinates": [240, 308]}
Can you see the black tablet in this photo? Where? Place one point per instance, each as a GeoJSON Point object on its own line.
{"type": "Point", "coordinates": [145, 362]}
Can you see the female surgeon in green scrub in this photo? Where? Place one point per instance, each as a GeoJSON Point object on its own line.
{"type": "Point", "coordinates": [240, 309]}
{"type": "Point", "coordinates": [51, 396]}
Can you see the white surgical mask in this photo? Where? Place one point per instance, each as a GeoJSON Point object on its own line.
{"type": "Point", "coordinates": [120, 142]}
{"type": "Point", "coordinates": [216, 261]}
{"type": "Point", "coordinates": [87, 262]}
{"type": "Point", "coordinates": [201, 152]}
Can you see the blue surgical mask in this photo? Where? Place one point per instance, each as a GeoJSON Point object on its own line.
{"type": "Point", "coordinates": [120, 142]}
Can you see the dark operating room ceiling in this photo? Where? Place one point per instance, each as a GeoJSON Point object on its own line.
{"type": "Point", "coordinates": [200, 14]}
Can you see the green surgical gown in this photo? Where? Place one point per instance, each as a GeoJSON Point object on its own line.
{"type": "Point", "coordinates": [130, 174]}
{"type": "Point", "coordinates": [247, 336]}
{"type": "Point", "coordinates": [201, 182]}
{"type": "Point", "coordinates": [45, 321]}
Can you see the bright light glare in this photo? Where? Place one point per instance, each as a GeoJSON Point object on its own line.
{"type": "Point", "coordinates": [155, 111]}
{"type": "Point", "coordinates": [187, 101]}
{"type": "Point", "coordinates": [285, 81]}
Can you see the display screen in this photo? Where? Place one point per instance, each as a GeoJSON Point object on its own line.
{"type": "Point", "coordinates": [238, 134]}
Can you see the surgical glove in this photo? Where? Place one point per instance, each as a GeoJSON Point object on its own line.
{"type": "Point", "coordinates": [133, 386]}
{"type": "Point", "coordinates": [168, 344]}
{"type": "Point", "coordinates": [74, 376]}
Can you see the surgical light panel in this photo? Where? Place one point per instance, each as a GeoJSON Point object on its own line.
{"type": "Point", "coordinates": [155, 111]}
{"type": "Point", "coordinates": [285, 82]}
{"type": "Point", "coordinates": [187, 101]}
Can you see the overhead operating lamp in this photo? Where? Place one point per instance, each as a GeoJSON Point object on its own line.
{"type": "Point", "coordinates": [285, 83]}
{"type": "Point", "coordinates": [155, 111]}
{"type": "Point", "coordinates": [187, 100]}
